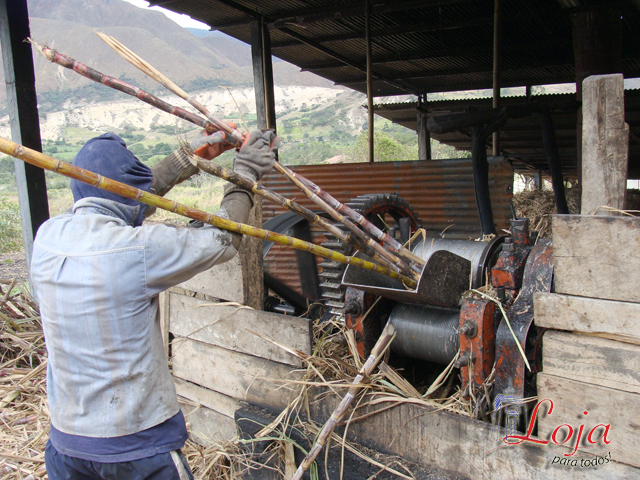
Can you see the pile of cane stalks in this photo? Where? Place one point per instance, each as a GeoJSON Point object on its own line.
{"type": "Point", "coordinates": [24, 414]}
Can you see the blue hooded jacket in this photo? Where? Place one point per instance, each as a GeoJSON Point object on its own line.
{"type": "Point", "coordinates": [107, 155]}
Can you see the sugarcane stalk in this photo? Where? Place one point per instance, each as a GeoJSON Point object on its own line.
{"type": "Point", "coordinates": [255, 187]}
{"type": "Point", "coordinates": [399, 262]}
{"type": "Point", "coordinates": [358, 218]}
{"type": "Point", "coordinates": [238, 138]}
{"type": "Point", "coordinates": [117, 84]}
{"type": "Point", "coordinates": [144, 66]}
{"type": "Point", "coordinates": [68, 170]}
{"type": "Point", "coordinates": [387, 336]}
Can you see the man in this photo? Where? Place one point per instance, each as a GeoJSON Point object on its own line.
{"type": "Point", "coordinates": [97, 274]}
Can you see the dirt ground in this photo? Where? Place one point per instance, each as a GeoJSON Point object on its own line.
{"type": "Point", "coordinates": [13, 265]}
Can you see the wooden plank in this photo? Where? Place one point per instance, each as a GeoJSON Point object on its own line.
{"type": "Point", "coordinates": [604, 318]}
{"type": "Point", "coordinates": [594, 360]}
{"type": "Point", "coordinates": [605, 144]}
{"type": "Point", "coordinates": [237, 375]}
{"type": "Point", "coordinates": [208, 398]}
{"type": "Point", "coordinates": [223, 281]}
{"type": "Point", "coordinates": [605, 405]}
{"type": "Point", "coordinates": [251, 261]}
{"type": "Point", "coordinates": [207, 426]}
{"type": "Point", "coordinates": [597, 256]}
{"type": "Point", "coordinates": [230, 327]}
{"type": "Point", "coordinates": [461, 445]}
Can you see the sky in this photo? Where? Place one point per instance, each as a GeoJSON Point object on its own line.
{"type": "Point", "coordinates": [182, 20]}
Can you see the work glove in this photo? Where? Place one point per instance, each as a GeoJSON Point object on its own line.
{"type": "Point", "coordinates": [209, 146]}
{"type": "Point", "coordinates": [257, 155]}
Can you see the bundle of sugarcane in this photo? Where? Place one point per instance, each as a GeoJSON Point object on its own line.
{"type": "Point", "coordinates": [395, 258]}
{"type": "Point", "coordinates": [409, 263]}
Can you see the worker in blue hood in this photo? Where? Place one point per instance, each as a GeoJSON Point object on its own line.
{"type": "Point", "coordinates": [97, 271]}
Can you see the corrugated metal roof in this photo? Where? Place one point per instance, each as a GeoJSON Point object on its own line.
{"type": "Point", "coordinates": [427, 46]}
{"type": "Point", "coordinates": [520, 138]}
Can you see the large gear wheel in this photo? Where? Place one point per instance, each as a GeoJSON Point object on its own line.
{"type": "Point", "coordinates": [384, 211]}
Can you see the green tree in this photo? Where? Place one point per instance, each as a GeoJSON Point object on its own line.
{"type": "Point", "coordinates": [385, 148]}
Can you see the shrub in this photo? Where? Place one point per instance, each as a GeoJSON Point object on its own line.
{"type": "Point", "coordinates": [10, 226]}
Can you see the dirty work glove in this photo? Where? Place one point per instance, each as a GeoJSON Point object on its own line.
{"type": "Point", "coordinates": [209, 146]}
{"type": "Point", "coordinates": [257, 155]}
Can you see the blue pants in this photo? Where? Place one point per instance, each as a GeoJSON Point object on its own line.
{"type": "Point", "coordinates": [158, 467]}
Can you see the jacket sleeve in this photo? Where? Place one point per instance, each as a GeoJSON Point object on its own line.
{"type": "Point", "coordinates": [174, 255]}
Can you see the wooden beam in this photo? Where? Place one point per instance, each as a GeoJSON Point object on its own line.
{"type": "Point", "coordinates": [401, 30]}
{"type": "Point", "coordinates": [597, 256]}
{"type": "Point", "coordinates": [354, 9]}
{"type": "Point", "coordinates": [231, 327]}
{"type": "Point", "coordinates": [22, 105]}
{"type": "Point", "coordinates": [605, 145]}
{"type": "Point", "coordinates": [467, 447]}
{"type": "Point", "coordinates": [603, 318]}
{"type": "Point", "coordinates": [451, 52]}
{"type": "Point", "coordinates": [593, 360]}
{"type": "Point", "coordinates": [571, 398]}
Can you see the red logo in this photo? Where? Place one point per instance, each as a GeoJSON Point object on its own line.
{"type": "Point", "coordinates": [564, 435]}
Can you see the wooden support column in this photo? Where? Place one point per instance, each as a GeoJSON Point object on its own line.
{"type": "Point", "coordinates": [496, 71]}
{"type": "Point", "coordinates": [424, 136]}
{"type": "Point", "coordinates": [263, 75]}
{"type": "Point", "coordinates": [252, 267]}
{"type": "Point", "coordinates": [605, 145]}
{"type": "Point", "coordinates": [23, 116]}
{"type": "Point", "coordinates": [597, 47]}
{"type": "Point", "coordinates": [367, 23]}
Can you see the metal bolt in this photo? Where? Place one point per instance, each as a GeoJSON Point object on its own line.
{"type": "Point", "coordinates": [461, 362]}
{"type": "Point", "coordinates": [352, 308]}
{"type": "Point", "coordinates": [469, 329]}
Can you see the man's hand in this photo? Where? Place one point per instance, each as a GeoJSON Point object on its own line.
{"type": "Point", "coordinates": [209, 146]}
{"type": "Point", "coordinates": [256, 157]}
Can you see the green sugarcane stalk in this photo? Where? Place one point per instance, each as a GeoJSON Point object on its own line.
{"type": "Point", "coordinates": [68, 170]}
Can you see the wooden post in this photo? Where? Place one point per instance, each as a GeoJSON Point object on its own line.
{"type": "Point", "coordinates": [252, 268]}
{"type": "Point", "coordinates": [597, 48]}
{"type": "Point", "coordinates": [605, 144]}
{"type": "Point", "coordinates": [23, 114]}
{"type": "Point", "coordinates": [424, 137]}
{"type": "Point", "coordinates": [367, 23]}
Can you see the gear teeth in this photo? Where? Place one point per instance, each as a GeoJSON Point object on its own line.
{"type": "Point", "coordinates": [330, 275]}
{"type": "Point", "coordinates": [332, 291]}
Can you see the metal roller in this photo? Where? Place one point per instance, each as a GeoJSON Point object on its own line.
{"type": "Point", "coordinates": [424, 332]}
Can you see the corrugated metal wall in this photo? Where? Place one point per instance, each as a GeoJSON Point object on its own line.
{"type": "Point", "coordinates": [440, 191]}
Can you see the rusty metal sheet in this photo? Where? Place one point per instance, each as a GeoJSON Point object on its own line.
{"type": "Point", "coordinates": [440, 191]}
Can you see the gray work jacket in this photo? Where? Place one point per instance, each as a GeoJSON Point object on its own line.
{"type": "Point", "coordinates": [97, 280]}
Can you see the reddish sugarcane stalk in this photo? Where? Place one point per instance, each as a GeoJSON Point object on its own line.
{"type": "Point", "coordinates": [255, 187]}
{"type": "Point", "coordinates": [68, 170]}
{"type": "Point", "coordinates": [399, 262]}
{"type": "Point", "coordinates": [147, 68]}
{"type": "Point", "coordinates": [361, 220]}
{"type": "Point", "coordinates": [88, 72]}
{"type": "Point", "coordinates": [387, 336]}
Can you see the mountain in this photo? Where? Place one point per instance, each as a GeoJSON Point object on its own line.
{"type": "Point", "coordinates": [190, 61]}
